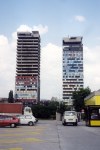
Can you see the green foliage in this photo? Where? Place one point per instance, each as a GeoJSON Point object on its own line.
{"type": "Point", "coordinates": [47, 110]}
{"type": "Point", "coordinates": [10, 98]}
{"type": "Point", "coordinates": [41, 111]}
{"type": "Point", "coordinates": [78, 97]}
{"type": "Point", "coordinates": [61, 108]}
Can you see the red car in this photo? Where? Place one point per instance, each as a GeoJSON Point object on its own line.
{"type": "Point", "coordinates": [11, 121]}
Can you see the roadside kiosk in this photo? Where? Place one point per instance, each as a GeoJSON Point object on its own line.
{"type": "Point", "coordinates": [92, 109]}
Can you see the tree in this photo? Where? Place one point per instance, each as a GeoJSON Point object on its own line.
{"type": "Point", "coordinates": [78, 98]}
{"type": "Point", "coordinates": [48, 109]}
{"type": "Point", "coordinates": [10, 98]}
{"type": "Point", "coordinates": [61, 108]}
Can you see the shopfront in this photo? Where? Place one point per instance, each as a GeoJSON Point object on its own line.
{"type": "Point", "coordinates": [92, 109]}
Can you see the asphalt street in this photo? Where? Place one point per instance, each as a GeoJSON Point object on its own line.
{"type": "Point", "coordinates": [50, 135]}
{"type": "Point", "coordinates": [79, 138]}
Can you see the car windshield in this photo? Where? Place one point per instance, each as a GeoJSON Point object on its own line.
{"type": "Point", "coordinates": [69, 113]}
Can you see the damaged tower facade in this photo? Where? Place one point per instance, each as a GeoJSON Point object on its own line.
{"type": "Point", "coordinates": [27, 82]}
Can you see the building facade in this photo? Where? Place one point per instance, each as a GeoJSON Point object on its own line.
{"type": "Point", "coordinates": [27, 82]}
{"type": "Point", "coordinates": [72, 67]}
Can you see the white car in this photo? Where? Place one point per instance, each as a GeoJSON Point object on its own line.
{"type": "Point", "coordinates": [70, 117]}
{"type": "Point", "coordinates": [27, 120]}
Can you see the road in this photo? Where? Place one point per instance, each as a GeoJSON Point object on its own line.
{"type": "Point", "coordinates": [50, 135]}
{"type": "Point", "coordinates": [79, 138]}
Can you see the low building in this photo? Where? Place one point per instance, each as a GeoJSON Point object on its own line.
{"type": "Point", "coordinates": [93, 98]}
{"type": "Point", "coordinates": [92, 109]}
{"type": "Point", "coordinates": [11, 108]}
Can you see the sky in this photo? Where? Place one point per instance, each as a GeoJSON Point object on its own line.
{"type": "Point", "coordinates": [54, 19]}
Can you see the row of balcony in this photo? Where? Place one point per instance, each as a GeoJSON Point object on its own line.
{"type": "Point", "coordinates": [27, 73]}
{"type": "Point", "coordinates": [71, 89]}
{"type": "Point", "coordinates": [27, 43]}
{"type": "Point", "coordinates": [27, 40]}
{"type": "Point", "coordinates": [26, 59]}
{"type": "Point", "coordinates": [28, 48]}
{"type": "Point", "coordinates": [76, 82]}
{"type": "Point", "coordinates": [28, 66]}
{"type": "Point", "coordinates": [28, 54]}
{"type": "Point", "coordinates": [29, 63]}
{"type": "Point", "coordinates": [20, 36]}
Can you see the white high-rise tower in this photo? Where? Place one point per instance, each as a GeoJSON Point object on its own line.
{"type": "Point", "coordinates": [72, 67]}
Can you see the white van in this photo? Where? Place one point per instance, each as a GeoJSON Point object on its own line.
{"type": "Point", "coordinates": [70, 117]}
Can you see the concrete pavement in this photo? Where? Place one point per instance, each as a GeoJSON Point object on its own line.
{"type": "Point", "coordinates": [50, 135]}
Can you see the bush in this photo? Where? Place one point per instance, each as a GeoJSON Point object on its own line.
{"type": "Point", "coordinates": [47, 110]}
{"type": "Point", "coordinates": [40, 111]}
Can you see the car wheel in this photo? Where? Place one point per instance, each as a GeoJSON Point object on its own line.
{"type": "Point", "coordinates": [63, 123]}
{"type": "Point", "coordinates": [75, 124]}
{"type": "Point", "coordinates": [30, 123]}
{"type": "Point", "coordinates": [13, 125]}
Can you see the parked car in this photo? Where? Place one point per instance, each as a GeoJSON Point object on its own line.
{"type": "Point", "coordinates": [70, 117]}
{"type": "Point", "coordinates": [27, 120]}
{"type": "Point", "coordinates": [11, 121]}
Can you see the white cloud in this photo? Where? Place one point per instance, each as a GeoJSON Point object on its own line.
{"type": "Point", "coordinates": [7, 66]}
{"type": "Point", "coordinates": [3, 40]}
{"type": "Point", "coordinates": [24, 28]}
{"type": "Point", "coordinates": [51, 71]}
{"type": "Point", "coordinates": [42, 29]}
{"type": "Point", "coordinates": [80, 18]}
{"type": "Point", "coordinates": [91, 67]}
